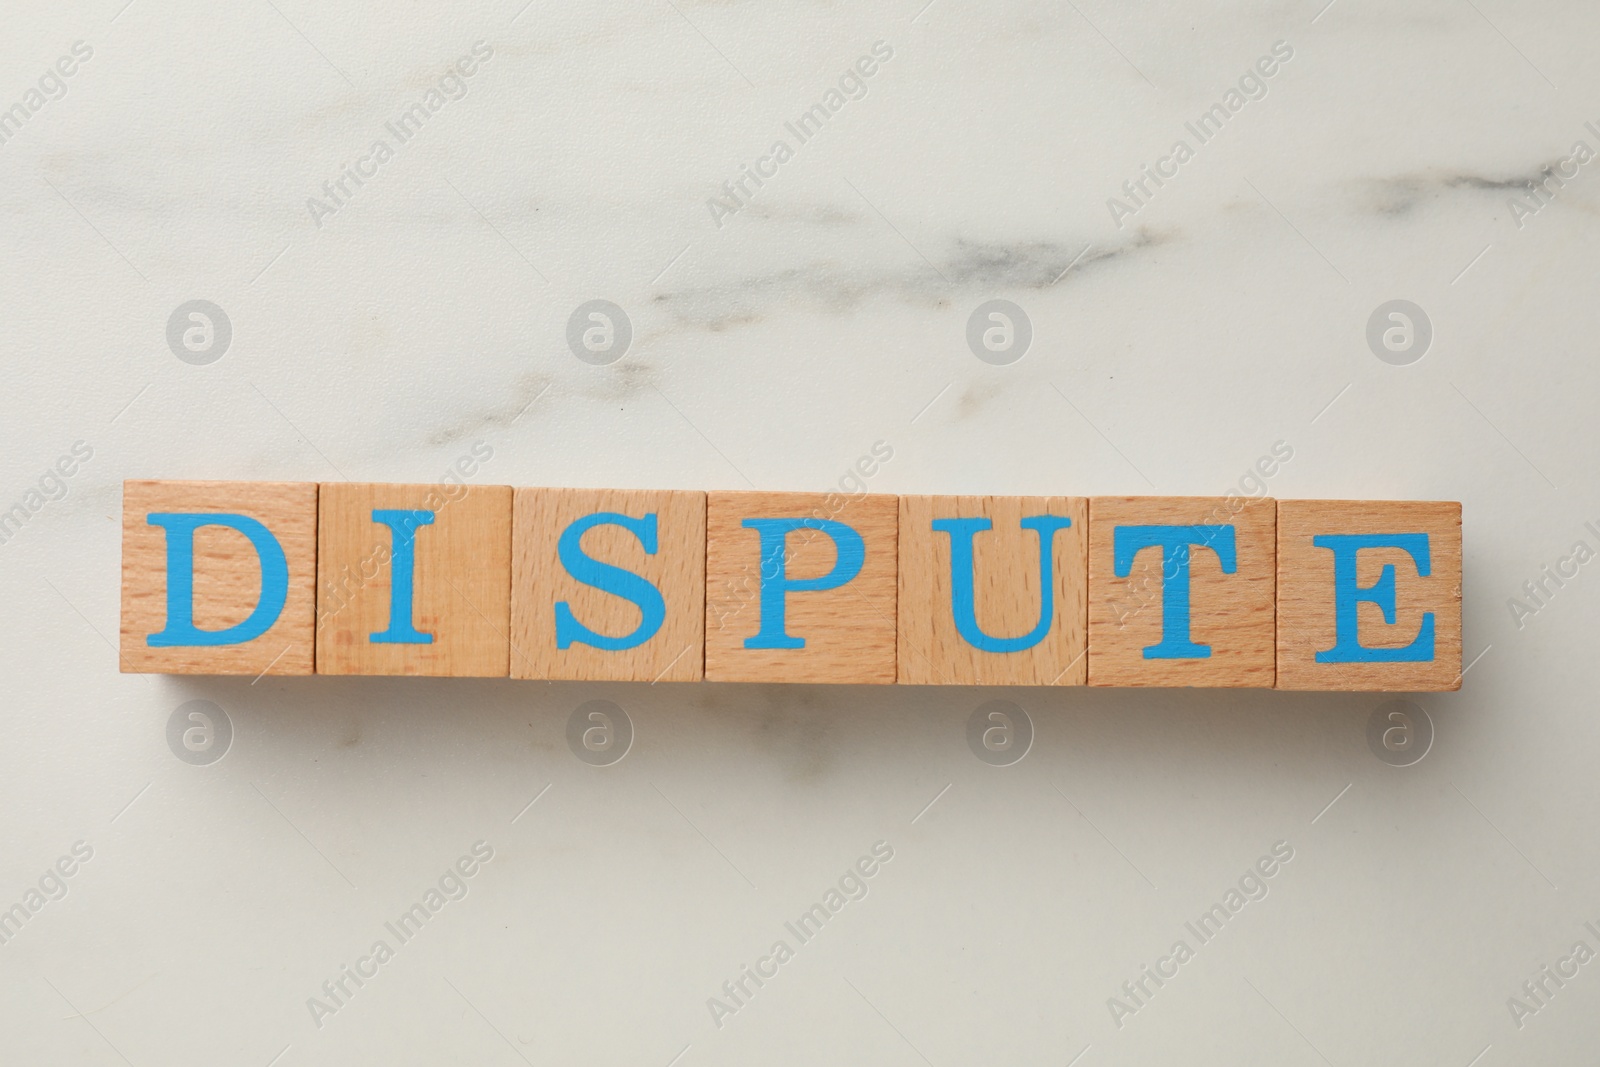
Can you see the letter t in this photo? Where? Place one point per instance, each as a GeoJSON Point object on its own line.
{"type": "Point", "coordinates": [1174, 542]}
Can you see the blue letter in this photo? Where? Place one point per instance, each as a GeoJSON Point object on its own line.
{"type": "Point", "coordinates": [961, 533]}
{"type": "Point", "coordinates": [180, 630]}
{"type": "Point", "coordinates": [402, 565]}
{"type": "Point", "coordinates": [1347, 597]}
{"type": "Point", "coordinates": [775, 583]}
{"type": "Point", "coordinates": [1174, 542]}
{"type": "Point", "coordinates": [609, 579]}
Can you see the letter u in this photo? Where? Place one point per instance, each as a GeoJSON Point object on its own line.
{"type": "Point", "coordinates": [962, 606]}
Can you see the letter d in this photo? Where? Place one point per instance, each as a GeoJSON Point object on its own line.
{"type": "Point", "coordinates": [180, 631]}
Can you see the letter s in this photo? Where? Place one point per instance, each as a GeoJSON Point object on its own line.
{"type": "Point", "coordinates": [608, 579]}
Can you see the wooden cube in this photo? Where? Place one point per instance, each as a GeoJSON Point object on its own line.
{"type": "Point", "coordinates": [608, 584]}
{"type": "Point", "coordinates": [1369, 595]}
{"type": "Point", "coordinates": [414, 579]}
{"type": "Point", "coordinates": [1181, 591]}
{"type": "Point", "coordinates": [800, 587]}
{"type": "Point", "coordinates": [973, 607]}
{"type": "Point", "coordinates": [219, 577]}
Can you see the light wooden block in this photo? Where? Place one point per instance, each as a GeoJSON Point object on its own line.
{"type": "Point", "coordinates": [848, 631]}
{"type": "Point", "coordinates": [228, 576]}
{"type": "Point", "coordinates": [1006, 593]}
{"type": "Point", "coordinates": [675, 651]}
{"type": "Point", "coordinates": [1231, 614]}
{"type": "Point", "coordinates": [1307, 604]}
{"type": "Point", "coordinates": [461, 580]}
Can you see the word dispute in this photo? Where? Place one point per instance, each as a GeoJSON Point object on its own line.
{"type": "Point", "coordinates": [471, 580]}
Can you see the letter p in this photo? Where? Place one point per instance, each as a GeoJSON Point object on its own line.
{"type": "Point", "coordinates": [775, 583]}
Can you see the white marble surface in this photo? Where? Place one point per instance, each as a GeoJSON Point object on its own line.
{"type": "Point", "coordinates": [428, 313]}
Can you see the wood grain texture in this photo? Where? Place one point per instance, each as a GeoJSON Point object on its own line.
{"type": "Point", "coordinates": [849, 631]}
{"type": "Point", "coordinates": [1232, 613]}
{"type": "Point", "coordinates": [227, 578]}
{"type": "Point", "coordinates": [1306, 601]}
{"type": "Point", "coordinates": [462, 580]}
{"type": "Point", "coordinates": [1006, 593]}
{"type": "Point", "coordinates": [676, 653]}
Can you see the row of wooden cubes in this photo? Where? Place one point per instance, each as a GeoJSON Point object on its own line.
{"type": "Point", "coordinates": [647, 585]}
